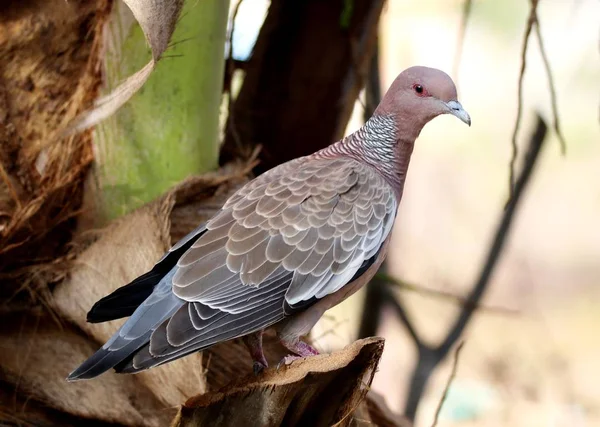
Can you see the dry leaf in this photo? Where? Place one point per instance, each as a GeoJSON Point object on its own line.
{"type": "Point", "coordinates": [322, 390]}
{"type": "Point", "coordinates": [231, 360]}
{"type": "Point", "coordinates": [157, 18]}
{"type": "Point", "coordinates": [379, 414]}
{"type": "Point", "coordinates": [49, 73]}
{"type": "Point", "coordinates": [35, 354]}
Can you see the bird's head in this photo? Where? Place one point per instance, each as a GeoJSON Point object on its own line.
{"type": "Point", "coordinates": [418, 95]}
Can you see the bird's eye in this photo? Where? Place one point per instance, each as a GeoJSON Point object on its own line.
{"type": "Point", "coordinates": [419, 89]}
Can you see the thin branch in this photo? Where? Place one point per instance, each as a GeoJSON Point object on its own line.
{"type": "Point", "coordinates": [530, 23]}
{"type": "Point", "coordinates": [435, 293]}
{"type": "Point", "coordinates": [556, 124]}
{"type": "Point", "coordinates": [430, 357]}
{"type": "Point", "coordinates": [460, 41]}
{"type": "Point", "coordinates": [535, 144]}
{"type": "Point", "coordinates": [399, 308]}
{"type": "Point", "coordinates": [447, 388]}
{"type": "Point", "coordinates": [178, 42]}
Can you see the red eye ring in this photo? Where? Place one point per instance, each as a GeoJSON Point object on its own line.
{"type": "Point", "coordinates": [420, 90]}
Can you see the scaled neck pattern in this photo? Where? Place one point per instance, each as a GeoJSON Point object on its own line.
{"type": "Point", "coordinates": [378, 144]}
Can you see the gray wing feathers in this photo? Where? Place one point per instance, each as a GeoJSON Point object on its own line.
{"type": "Point", "coordinates": [170, 341]}
{"type": "Point", "coordinates": [311, 218]}
{"type": "Point", "coordinates": [161, 304]}
{"type": "Point", "coordinates": [145, 358]}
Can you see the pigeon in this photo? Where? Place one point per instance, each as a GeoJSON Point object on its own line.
{"type": "Point", "coordinates": [287, 246]}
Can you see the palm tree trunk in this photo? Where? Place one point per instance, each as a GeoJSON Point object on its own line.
{"type": "Point", "coordinates": [170, 129]}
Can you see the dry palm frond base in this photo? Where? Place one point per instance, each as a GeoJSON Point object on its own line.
{"type": "Point", "coordinates": [45, 47]}
{"type": "Point", "coordinates": [39, 347]}
{"type": "Point", "coordinates": [36, 353]}
{"type": "Point", "coordinates": [39, 351]}
{"type": "Point", "coordinates": [324, 390]}
{"type": "Point", "coordinates": [129, 247]}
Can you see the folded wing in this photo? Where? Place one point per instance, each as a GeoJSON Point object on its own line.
{"type": "Point", "coordinates": [288, 238]}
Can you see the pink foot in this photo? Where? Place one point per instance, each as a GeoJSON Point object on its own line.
{"type": "Point", "coordinates": [300, 350]}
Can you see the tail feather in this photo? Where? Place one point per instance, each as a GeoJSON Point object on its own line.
{"type": "Point", "coordinates": [124, 301]}
{"type": "Point", "coordinates": [135, 332]}
{"type": "Point", "coordinates": [105, 359]}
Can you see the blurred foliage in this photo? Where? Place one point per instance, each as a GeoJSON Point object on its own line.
{"type": "Point", "coordinates": [504, 18]}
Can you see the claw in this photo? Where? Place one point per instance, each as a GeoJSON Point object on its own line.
{"type": "Point", "coordinates": [258, 367]}
{"type": "Point", "coordinates": [287, 360]}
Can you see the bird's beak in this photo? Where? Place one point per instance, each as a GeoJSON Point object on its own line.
{"type": "Point", "coordinates": [457, 110]}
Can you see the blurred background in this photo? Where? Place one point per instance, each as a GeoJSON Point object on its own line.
{"type": "Point", "coordinates": [537, 367]}
{"type": "Point", "coordinates": [290, 78]}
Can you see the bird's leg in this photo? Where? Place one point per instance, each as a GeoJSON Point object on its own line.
{"type": "Point", "coordinates": [254, 344]}
{"type": "Point", "coordinates": [298, 347]}
{"type": "Point", "coordinates": [292, 328]}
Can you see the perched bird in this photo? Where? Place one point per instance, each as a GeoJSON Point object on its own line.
{"type": "Point", "coordinates": [286, 247]}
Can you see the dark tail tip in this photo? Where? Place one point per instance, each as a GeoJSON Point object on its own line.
{"type": "Point", "coordinates": [105, 359]}
{"type": "Point", "coordinates": [125, 300]}
{"type": "Point", "coordinates": [97, 364]}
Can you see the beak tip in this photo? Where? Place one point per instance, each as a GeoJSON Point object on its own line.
{"type": "Point", "coordinates": [464, 117]}
{"type": "Point", "coordinates": [456, 109]}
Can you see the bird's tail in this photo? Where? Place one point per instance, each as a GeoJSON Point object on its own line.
{"type": "Point", "coordinates": [105, 359]}
{"type": "Point", "coordinates": [125, 300]}
{"type": "Point", "coordinates": [135, 332]}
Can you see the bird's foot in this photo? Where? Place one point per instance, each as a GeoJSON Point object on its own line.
{"type": "Point", "coordinates": [287, 360]}
{"type": "Point", "coordinates": [254, 344]}
{"type": "Point", "coordinates": [300, 349]}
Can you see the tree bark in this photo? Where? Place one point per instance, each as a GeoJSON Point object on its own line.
{"type": "Point", "coordinates": [306, 71]}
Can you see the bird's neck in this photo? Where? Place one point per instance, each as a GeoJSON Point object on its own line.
{"type": "Point", "coordinates": [381, 144]}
